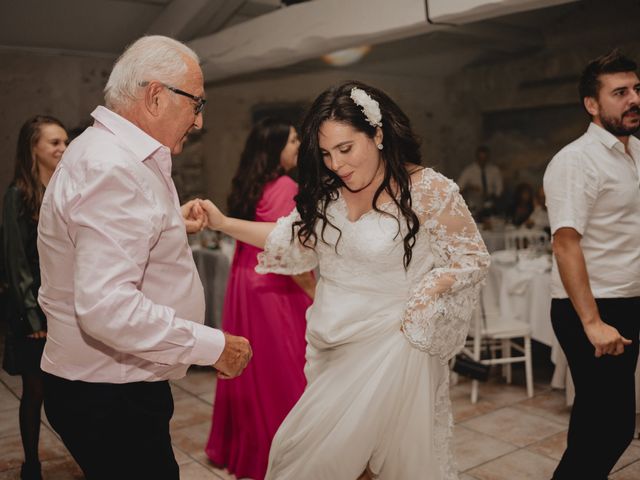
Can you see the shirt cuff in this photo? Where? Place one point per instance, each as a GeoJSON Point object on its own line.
{"type": "Point", "coordinates": [209, 345]}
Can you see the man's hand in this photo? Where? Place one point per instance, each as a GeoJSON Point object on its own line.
{"type": "Point", "coordinates": [234, 358]}
{"type": "Point", "coordinates": [573, 272]}
{"type": "Point", "coordinates": [195, 219]}
{"type": "Point", "coordinates": [605, 338]}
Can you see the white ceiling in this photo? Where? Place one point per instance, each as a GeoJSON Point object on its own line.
{"type": "Point", "coordinates": [105, 27]}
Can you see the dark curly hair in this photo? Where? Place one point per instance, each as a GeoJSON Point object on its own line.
{"type": "Point", "coordinates": [259, 164]}
{"type": "Point", "coordinates": [319, 185]}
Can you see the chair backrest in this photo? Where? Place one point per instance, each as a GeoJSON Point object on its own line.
{"type": "Point", "coordinates": [487, 312]}
{"type": "Point", "coordinates": [523, 238]}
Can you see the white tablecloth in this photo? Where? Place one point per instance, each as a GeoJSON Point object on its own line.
{"type": "Point", "coordinates": [493, 239]}
{"type": "Point", "coordinates": [526, 296]}
{"type": "Point", "coordinates": [521, 294]}
{"type": "Point", "coordinates": [213, 268]}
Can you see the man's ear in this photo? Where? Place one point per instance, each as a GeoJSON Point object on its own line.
{"type": "Point", "coordinates": [592, 106]}
{"type": "Point", "coordinates": [152, 98]}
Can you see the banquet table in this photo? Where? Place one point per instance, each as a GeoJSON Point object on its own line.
{"type": "Point", "coordinates": [493, 239]}
{"type": "Point", "coordinates": [521, 290]}
{"type": "Point", "coordinates": [213, 268]}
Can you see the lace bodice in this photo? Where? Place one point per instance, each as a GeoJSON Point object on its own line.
{"type": "Point", "coordinates": [439, 289]}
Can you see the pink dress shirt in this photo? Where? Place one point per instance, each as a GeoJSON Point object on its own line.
{"type": "Point", "coordinates": [120, 290]}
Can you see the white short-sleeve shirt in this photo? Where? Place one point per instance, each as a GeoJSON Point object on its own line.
{"type": "Point", "coordinates": [471, 176]}
{"type": "Point", "coordinates": [593, 186]}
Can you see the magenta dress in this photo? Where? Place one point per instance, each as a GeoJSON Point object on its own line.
{"type": "Point", "coordinates": [269, 310]}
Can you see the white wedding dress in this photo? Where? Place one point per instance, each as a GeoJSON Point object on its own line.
{"type": "Point", "coordinates": [379, 339]}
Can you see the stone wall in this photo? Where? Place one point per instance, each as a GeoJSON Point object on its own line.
{"type": "Point", "coordinates": [68, 87]}
{"type": "Point", "coordinates": [525, 110]}
{"type": "Point", "coordinates": [228, 117]}
{"type": "Point", "coordinates": [524, 107]}
{"type": "Point", "coordinates": [64, 86]}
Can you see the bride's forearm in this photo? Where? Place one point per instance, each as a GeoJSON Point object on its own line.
{"type": "Point", "coordinates": [253, 233]}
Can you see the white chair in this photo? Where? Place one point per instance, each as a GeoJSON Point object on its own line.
{"type": "Point", "coordinates": [490, 332]}
{"type": "Point", "coordinates": [524, 238]}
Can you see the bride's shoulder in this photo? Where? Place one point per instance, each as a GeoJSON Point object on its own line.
{"type": "Point", "coordinates": [425, 178]}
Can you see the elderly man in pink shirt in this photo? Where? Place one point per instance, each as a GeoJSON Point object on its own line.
{"type": "Point", "coordinates": [123, 300]}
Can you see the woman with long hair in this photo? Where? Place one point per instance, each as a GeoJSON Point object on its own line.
{"type": "Point", "coordinates": [401, 262]}
{"type": "Point", "coordinates": [41, 143]}
{"type": "Point", "coordinates": [522, 206]}
{"type": "Point", "coordinates": [268, 310]}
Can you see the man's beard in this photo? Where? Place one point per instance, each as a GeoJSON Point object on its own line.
{"type": "Point", "coordinates": [617, 127]}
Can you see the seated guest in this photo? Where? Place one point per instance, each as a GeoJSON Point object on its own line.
{"type": "Point", "coordinates": [481, 184]}
{"type": "Point", "coordinates": [539, 218]}
{"type": "Point", "coordinates": [522, 206]}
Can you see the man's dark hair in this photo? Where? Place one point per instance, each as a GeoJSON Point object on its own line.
{"type": "Point", "coordinates": [612, 62]}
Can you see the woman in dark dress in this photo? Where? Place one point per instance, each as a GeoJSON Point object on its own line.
{"type": "Point", "coordinates": [522, 206]}
{"type": "Point", "coordinates": [41, 142]}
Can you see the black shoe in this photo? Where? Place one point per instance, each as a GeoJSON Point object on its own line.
{"type": "Point", "coordinates": [31, 471]}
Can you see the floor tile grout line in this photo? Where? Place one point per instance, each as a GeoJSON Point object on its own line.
{"type": "Point", "coordinates": [510, 443]}
{"type": "Point", "coordinates": [518, 449]}
{"type": "Point", "coordinates": [513, 405]}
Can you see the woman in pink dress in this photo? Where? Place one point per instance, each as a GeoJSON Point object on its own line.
{"type": "Point", "coordinates": [269, 310]}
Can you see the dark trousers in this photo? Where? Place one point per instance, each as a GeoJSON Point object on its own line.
{"type": "Point", "coordinates": [114, 431]}
{"type": "Point", "coordinates": [603, 415]}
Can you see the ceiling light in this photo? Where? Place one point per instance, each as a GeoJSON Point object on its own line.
{"type": "Point", "coordinates": [347, 56]}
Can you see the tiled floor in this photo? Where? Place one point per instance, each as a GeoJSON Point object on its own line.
{"type": "Point", "coordinates": [505, 436]}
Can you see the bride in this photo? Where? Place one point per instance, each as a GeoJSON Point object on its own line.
{"type": "Point", "coordinates": [400, 262]}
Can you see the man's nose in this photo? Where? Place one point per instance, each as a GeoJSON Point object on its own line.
{"type": "Point", "coordinates": [198, 123]}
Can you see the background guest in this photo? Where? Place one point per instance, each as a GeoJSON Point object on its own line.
{"type": "Point", "coordinates": [521, 207]}
{"type": "Point", "coordinates": [268, 310]}
{"type": "Point", "coordinates": [539, 218]}
{"type": "Point", "coordinates": [481, 184]}
{"type": "Point", "coordinates": [41, 142]}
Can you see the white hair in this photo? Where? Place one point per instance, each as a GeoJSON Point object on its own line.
{"type": "Point", "coordinates": [152, 57]}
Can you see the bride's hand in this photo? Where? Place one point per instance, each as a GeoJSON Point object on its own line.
{"type": "Point", "coordinates": [215, 218]}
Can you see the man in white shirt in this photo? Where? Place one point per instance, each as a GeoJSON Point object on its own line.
{"type": "Point", "coordinates": [593, 199]}
{"type": "Point", "coordinates": [481, 183]}
{"type": "Point", "coordinates": [123, 300]}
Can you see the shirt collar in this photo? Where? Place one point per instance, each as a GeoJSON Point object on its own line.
{"type": "Point", "coordinates": [140, 143]}
{"type": "Point", "coordinates": [605, 137]}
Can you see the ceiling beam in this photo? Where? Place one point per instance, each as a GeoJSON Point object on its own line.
{"type": "Point", "coordinates": [307, 30]}
{"type": "Point", "coordinates": [466, 11]}
{"type": "Point", "coordinates": [496, 36]}
{"type": "Point", "coordinates": [185, 19]}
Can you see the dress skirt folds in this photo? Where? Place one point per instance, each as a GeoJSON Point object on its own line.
{"type": "Point", "coordinates": [379, 337]}
{"type": "Point", "coordinates": [269, 310]}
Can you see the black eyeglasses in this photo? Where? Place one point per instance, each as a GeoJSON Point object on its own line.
{"type": "Point", "coordinates": [197, 108]}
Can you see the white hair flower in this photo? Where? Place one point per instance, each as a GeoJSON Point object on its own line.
{"type": "Point", "coordinates": [370, 107]}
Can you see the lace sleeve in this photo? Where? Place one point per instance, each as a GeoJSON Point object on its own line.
{"type": "Point", "coordinates": [283, 254]}
{"type": "Point", "coordinates": [437, 316]}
